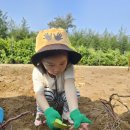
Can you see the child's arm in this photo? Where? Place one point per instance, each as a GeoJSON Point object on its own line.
{"type": "Point", "coordinates": [50, 113]}
{"type": "Point", "coordinates": [41, 100]}
{"type": "Point", "coordinates": [69, 87]}
{"type": "Point", "coordinates": [71, 96]}
{"type": "Point", "coordinates": [38, 85]}
{"type": "Point", "coordinates": [72, 100]}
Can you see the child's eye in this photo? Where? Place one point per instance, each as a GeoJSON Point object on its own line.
{"type": "Point", "coordinates": [51, 65]}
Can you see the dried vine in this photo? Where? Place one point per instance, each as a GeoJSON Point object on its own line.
{"type": "Point", "coordinates": [116, 122]}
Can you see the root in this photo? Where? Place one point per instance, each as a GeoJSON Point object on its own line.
{"type": "Point", "coordinates": [4, 125]}
{"type": "Point", "coordinates": [115, 122]}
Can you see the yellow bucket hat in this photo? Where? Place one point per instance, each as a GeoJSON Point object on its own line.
{"type": "Point", "coordinates": [53, 40]}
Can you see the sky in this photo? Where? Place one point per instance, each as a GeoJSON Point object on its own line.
{"type": "Point", "coordinates": [96, 15]}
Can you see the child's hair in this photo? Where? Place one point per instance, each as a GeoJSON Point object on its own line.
{"type": "Point", "coordinates": [52, 54]}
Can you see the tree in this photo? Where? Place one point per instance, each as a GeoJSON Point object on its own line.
{"type": "Point", "coordinates": [122, 40]}
{"type": "Point", "coordinates": [62, 22]}
{"type": "Point", "coordinates": [3, 25]}
{"type": "Point", "coordinates": [19, 32]}
{"type": "Point", "coordinates": [11, 25]}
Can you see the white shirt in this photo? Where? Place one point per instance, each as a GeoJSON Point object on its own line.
{"type": "Point", "coordinates": [42, 80]}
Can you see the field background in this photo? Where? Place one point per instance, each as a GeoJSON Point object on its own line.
{"type": "Point", "coordinates": [16, 94]}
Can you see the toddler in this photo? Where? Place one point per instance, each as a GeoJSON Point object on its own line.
{"type": "Point", "coordinates": [53, 79]}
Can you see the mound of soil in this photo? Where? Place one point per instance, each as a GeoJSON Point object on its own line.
{"type": "Point", "coordinates": [94, 83]}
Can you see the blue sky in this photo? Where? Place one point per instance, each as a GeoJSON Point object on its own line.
{"type": "Point", "coordinates": [88, 14]}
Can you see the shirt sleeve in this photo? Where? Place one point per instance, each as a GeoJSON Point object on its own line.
{"type": "Point", "coordinates": [38, 82]}
{"type": "Point", "coordinates": [69, 73]}
{"type": "Point", "coordinates": [70, 89]}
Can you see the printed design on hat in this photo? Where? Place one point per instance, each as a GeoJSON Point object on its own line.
{"type": "Point", "coordinates": [49, 37]}
{"type": "Point", "coordinates": [58, 36]}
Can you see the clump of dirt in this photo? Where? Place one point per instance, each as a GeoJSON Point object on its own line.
{"type": "Point", "coordinates": [16, 96]}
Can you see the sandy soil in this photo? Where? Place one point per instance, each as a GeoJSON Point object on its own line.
{"type": "Point", "coordinates": [94, 83]}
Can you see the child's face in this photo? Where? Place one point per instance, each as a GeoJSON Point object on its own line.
{"type": "Point", "coordinates": [55, 64]}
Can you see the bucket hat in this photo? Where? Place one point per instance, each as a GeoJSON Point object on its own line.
{"type": "Point", "coordinates": [51, 40]}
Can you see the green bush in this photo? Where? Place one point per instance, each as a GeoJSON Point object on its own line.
{"type": "Point", "coordinates": [96, 50]}
{"type": "Point", "coordinates": [16, 52]}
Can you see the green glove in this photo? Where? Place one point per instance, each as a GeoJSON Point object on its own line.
{"type": "Point", "coordinates": [79, 118]}
{"type": "Point", "coordinates": [51, 115]}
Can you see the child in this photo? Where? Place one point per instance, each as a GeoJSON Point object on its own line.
{"type": "Point", "coordinates": [53, 79]}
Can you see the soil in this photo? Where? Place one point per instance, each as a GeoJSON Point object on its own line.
{"type": "Point", "coordinates": [94, 83]}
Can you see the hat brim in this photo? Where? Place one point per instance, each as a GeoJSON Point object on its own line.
{"type": "Point", "coordinates": [73, 56]}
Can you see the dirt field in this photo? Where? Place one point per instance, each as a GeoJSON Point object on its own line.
{"type": "Point", "coordinates": [16, 96]}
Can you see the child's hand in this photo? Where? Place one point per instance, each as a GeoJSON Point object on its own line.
{"type": "Point", "coordinates": [51, 115]}
{"type": "Point", "coordinates": [79, 119]}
